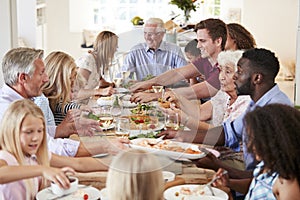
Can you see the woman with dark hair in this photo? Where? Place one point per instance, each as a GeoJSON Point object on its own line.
{"type": "Point", "coordinates": [239, 37]}
{"type": "Point", "coordinates": [272, 137]}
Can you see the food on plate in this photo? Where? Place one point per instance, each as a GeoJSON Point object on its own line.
{"type": "Point", "coordinates": [143, 122]}
{"type": "Point", "coordinates": [196, 191]}
{"type": "Point", "coordinates": [91, 115]}
{"type": "Point", "coordinates": [164, 104]}
{"type": "Point", "coordinates": [167, 145]}
{"type": "Point", "coordinates": [141, 109]}
{"type": "Point", "coordinates": [147, 135]}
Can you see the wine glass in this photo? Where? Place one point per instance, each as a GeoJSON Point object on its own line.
{"type": "Point", "coordinates": [122, 127]}
{"type": "Point", "coordinates": [172, 121]}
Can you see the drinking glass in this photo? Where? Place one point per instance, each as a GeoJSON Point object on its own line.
{"type": "Point", "coordinates": [122, 127]}
{"type": "Point", "coordinates": [105, 118]}
{"type": "Point", "coordinates": [172, 121]}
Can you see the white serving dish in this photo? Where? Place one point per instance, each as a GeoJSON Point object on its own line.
{"type": "Point", "coordinates": [172, 154]}
{"type": "Point", "coordinates": [168, 176]}
{"type": "Point", "coordinates": [60, 191]}
{"type": "Point", "coordinates": [173, 193]}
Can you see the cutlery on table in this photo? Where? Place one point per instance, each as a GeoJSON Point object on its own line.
{"type": "Point", "coordinates": [208, 185]}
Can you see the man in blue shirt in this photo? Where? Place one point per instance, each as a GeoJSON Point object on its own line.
{"type": "Point", "coordinates": [255, 76]}
{"type": "Point", "coordinates": [154, 56]}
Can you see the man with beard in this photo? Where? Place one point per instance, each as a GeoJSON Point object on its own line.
{"type": "Point", "coordinates": [255, 76]}
{"type": "Point", "coordinates": [211, 36]}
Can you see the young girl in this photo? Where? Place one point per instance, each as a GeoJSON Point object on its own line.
{"type": "Point", "coordinates": [134, 175]}
{"type": "Point", "coordinates": [26, 166]}
{"type": "Point", "coordinates": [273, 137]}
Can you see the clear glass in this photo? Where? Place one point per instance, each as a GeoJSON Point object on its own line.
{"type": "Point", "coordinates": [122, 127]}
{"type": "Point", "coordinates": [172, 121]}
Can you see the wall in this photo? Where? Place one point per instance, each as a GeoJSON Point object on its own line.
{"type": "Point", "coordinates": [274, 25]}
{"type": "Point", "coordinates": [8, 33]}
{"type": "Point", "coordinates": [58, 35]}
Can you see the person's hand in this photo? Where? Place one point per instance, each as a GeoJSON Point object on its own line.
{"type": "Point", "coordinates": [171, 97]}
{"type": "Point", "coordinates": [223, 179]}
{"type": "Point", "coordinates": [143, 97]}
{"type": "Point", "coordinates": [86, 127]}
{"type": "Point", "coordinates": [115, 145]}
{"type": "Point", "coordinates": [210, 161]}
{"type": "Point", "coordinates": [141, 86]}
{"type": "Point", "coordinates": [58, 176]}
{"type": "Point", "coordinates": [105, 91]}
{"type": "Point", "coordinates": [169, 134]}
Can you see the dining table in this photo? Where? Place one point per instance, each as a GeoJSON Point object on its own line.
{"type": "Point", "coordinates": [185, 170]}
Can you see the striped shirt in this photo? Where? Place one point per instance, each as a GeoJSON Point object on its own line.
{"type": "Point", "coordinates": [61, 113]}
{"type": "Point", "coordinates": [261, 185]}
{"type": "Point", "coordinates": [145, 61]}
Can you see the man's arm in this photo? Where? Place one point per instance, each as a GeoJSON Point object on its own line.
{"type": "Point", "coordinates": [167, 78]}
{"type": "Point", "coordinates": [197, 91]}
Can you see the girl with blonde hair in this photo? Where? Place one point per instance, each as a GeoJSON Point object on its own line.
{"type": "Point", "coordinates": [95, 64]}
{"type": "Point", "coordinates": [26, 166]}
{"type": "Point", "coordinates": [135, 175]}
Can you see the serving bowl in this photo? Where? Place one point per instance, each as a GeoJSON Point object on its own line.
{"type": "Point", "coordinates": [60, 191]}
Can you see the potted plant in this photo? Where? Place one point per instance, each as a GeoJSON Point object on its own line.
{"type": "Point", "coordinates": [186, 5]}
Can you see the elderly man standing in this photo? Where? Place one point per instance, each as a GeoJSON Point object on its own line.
{"type": "Point", "coordinates": [24, 76]}
{"type": "Point", "coordinates": [211, 36]}
{"type": "Point", "coordinates": [154, 56]}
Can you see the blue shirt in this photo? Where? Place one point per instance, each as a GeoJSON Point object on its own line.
{"type": "Point", "coordinates": [144, 61]}
{"type": "Point", "coordinates": [261, 185]}
{"type": "Point", "coordinates": [235, 132]}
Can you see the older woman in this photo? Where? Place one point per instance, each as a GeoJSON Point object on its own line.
{"type": "Point", "coordinates": [225, 105]}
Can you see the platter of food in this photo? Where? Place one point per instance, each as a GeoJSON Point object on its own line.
{"type": "Point", "coordinates": [194, 192]}
{"type": "Point", "coordinates": [168, 148]}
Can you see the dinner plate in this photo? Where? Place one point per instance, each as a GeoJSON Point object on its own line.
{"type": "Point", "coordinates": [137, 132]}
{"type": "Point", "coordinates": [121, 90]}
{"type": "Point", "coordinates": [92, 193]}
{"type": "Point", "coordinates": [103, 194]}
{"type": "Point", "coordinates": [136, 143]}
{"type": "Point", "coordinates": [129, 104]}
{"type": "Point", "coordinates": [213, 151]}
{"type": "Point", "coordinates": [173, 193]}
{"type": "Point", "coordinates": [105, 101]}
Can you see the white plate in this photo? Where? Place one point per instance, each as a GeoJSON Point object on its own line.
{"type": "Point", "coordinates": [137, 132]}
{"type": "Point", "coordinates": [109, 127]}
{"type": "Point", "coordinates": [213, 151]}
{"type": "Point", "coordinates": [171, 154]}
{"type": "Point", "coordinates": [129, 104]}
{"type": "Point", "coordinates": [92, 192]}
{"type": "Point", "coordinates": [103, 194]}
{"type": "Point", "coordinates": [121, 90]}
{"type": "Point", "coordinates": [104, 101]}
{"type": "Point", "coordinates": [169, 194]}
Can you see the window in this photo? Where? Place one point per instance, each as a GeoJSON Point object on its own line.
{"type": "Point", "coordinates": [116, 15]}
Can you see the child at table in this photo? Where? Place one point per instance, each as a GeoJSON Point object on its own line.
{"type": "Point", "coordinates": [135, 175]}
{"type": "Point", "coordinates": [26, 166]}
{"type": "Point", "coordinates": [274, 139]}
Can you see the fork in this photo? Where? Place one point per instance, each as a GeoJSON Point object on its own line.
{"type": "Point", "coordinates": [208, 185]}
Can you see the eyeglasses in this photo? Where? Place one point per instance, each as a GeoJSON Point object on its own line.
{"type": "Point", "coordinates": [151, 34]}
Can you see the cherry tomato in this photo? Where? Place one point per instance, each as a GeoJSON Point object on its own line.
{"type": "Point", "coordinates": [85, 196]}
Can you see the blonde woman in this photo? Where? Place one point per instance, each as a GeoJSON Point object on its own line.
{"type": "Point", "coordinates": [135, 175]}
{"type": "Point", "coordinates": [26, 166]}
{"type": "Point", "coordinates": [62, 72]}
{"type": "Point", "coordinates": [95, 64]}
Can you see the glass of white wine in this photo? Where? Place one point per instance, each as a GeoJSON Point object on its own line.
{"type": "Point", "coordinates": [172, 121]}
{"type": "Point", "coordinates": [157, 88]}
{"type": "Point", "coordinates": [122, 127]}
